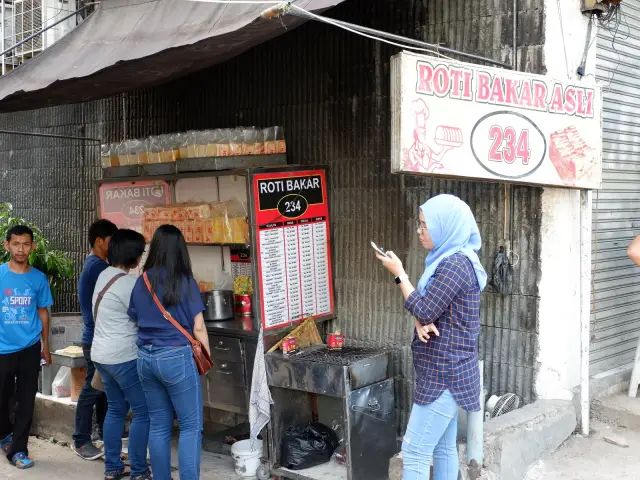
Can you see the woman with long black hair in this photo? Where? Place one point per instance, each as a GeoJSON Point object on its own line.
{"type": "Point", "coordinates": [166, 367]}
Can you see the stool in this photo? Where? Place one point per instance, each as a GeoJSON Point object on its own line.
{"type": "Point", "coordinates": [78, 376]}
{"type": "Point", "coordinates": [78, 366]}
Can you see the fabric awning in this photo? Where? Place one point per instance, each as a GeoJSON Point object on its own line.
{"type": "Point", "coordinates": [129, 44]}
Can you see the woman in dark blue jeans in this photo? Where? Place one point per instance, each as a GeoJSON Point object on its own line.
{"type": "Point", "coordinates": [165, 361]}
{"type": "Point", "coordinates": [115, 355]}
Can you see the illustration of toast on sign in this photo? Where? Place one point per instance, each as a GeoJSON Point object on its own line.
{"type": "Point", "coordinates": [570, 155]}
{"type": "Point", "coordinates": [425, 157]}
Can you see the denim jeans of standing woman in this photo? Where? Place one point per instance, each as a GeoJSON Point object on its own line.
{"type": "Point", "coordinates": [123, 389]}
{"type": "Point", "coordinates": [431, 433]}
{"type": "Point", "coordinates": [171, 382]}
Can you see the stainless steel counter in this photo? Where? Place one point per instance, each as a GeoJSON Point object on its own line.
{"type": "Point", "coordinates": [237, 327]}
{"type": "Point", "coordinates": [233, 350]}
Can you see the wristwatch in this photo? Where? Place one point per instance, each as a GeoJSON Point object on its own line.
{"type": "Point", "coordinates": [401, 278]}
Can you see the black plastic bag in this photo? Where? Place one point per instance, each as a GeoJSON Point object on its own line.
{"type": "Point", "coordinates": [306, 447]}
{"type": "Point", "coordinates": [501, 273]}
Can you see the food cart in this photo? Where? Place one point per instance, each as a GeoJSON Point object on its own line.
{"type": "Point", "coordinates": [284, 247]}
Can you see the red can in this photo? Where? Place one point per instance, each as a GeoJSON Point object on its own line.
{"type": "Point", "coordinates": [243, 305]}
{"type": "Point", "coordinates": [335, 341]}
{"type": "Point", "coordinates": [289, 345]}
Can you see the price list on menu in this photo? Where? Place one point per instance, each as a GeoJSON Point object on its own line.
{"type": "Point", "coordinates": [293, 246]}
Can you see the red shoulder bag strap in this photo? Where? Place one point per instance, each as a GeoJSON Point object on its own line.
{"type": "Point", "coordinates": [164, 312]}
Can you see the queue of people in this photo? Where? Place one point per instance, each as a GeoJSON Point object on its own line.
{"type": "Point", "coordinates": [146, 364]}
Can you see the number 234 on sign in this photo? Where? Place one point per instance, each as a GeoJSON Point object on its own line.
{"type": "Point", "coordinates": [508, 145]}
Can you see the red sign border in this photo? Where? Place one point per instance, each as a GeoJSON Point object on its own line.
{"type": "Point", "coordinates": [256, 205]}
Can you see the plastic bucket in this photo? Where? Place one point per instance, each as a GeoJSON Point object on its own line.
{"type": "Point", "coordinates": [246, 456]}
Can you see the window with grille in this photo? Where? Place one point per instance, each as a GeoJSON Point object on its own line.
{"type": "Point", "coordinates": [27, 21]}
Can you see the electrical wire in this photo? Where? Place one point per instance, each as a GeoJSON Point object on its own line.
{"type": "Point", "coordinates": [284, 7]}
{"type": "Point", "coordinates": [249, 2]}
{"type": "Point", "coordinates": [564, 46]}
{"type": "Point", "coordinates": [619, 20]}
{"type": "Point", "coordinates": [610, 21]}
{"type": "Point", "coordinates": [366, 35]}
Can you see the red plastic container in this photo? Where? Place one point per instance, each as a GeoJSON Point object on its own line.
{"type": "Point", "coordinates": [335, 341]}
{"type": "Point", "coordinates": [243, 305]}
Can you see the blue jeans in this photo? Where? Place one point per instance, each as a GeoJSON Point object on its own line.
{"type": "Point", "coordinates": [432, 432]}
{"type": "Point", "coordinates": [171, 382]}
{"type": "Point", "coordinates": [89, 397]}
{"type": "Point", "coordinates": [123, 389]}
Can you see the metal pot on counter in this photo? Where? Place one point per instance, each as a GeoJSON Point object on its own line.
{"type": "Point", "coordinates": [218, 305]}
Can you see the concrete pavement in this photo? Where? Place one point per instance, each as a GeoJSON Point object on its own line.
{"type": "Point", "coordinates": [52, 462]}
{"type": "Point", "coordinates": [58, 462]}
{"type": "Point", "coordinates": [592, 458]}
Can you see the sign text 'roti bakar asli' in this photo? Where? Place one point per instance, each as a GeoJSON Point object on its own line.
{"type": "Point", "coordinates": [455, 119]}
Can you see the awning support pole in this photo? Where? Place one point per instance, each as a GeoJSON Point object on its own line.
{"type": "Point", "coordinates": [49, 135]}
{"type": "Point", "coordinates": [2, 31]}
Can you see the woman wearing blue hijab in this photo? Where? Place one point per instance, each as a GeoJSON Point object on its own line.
{"type": "Point", "coordinates": [446, 307]}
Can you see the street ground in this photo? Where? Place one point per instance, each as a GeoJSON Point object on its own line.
{"type": "Point", "coordinates": [593, 458]}
{"type": "Point", "coordinates": [58, 462]}
{"type": "Point", "coordinates": [578, 458]}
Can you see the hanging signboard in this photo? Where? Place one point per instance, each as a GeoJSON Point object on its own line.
{"type": "Point", "coordinates": [455, 119]}
{"type": "Point", "coordinates": [124, 202]}
{"type": "Point", "coordinates": [292, 236]}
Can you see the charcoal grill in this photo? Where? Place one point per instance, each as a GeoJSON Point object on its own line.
{"type": "Point", "coordinates": [355, 396]}
{"type": "Point", "coordinates": [345, 356]}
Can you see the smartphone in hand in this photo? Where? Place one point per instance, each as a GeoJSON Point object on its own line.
{"type": "Point", "coordinates": [378, 249]}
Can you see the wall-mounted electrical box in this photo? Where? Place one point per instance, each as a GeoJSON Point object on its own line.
{"type": "Point", "coordinates": [596, 7]}
{"type": "Point", "coordinates": [592, 7]}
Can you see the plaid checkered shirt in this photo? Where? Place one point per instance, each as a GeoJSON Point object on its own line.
{"type": "Point", "coordinates": [450, 361]}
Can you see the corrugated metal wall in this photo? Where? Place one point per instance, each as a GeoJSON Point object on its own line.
{"type": "Point", "coordinates": [50, 181]}
{"type": "Point", "coordinates": [615, 312]}
{"type": "Point", "coordinates": [330, 90]}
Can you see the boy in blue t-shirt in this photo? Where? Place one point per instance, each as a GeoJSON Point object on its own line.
{"type": "Point", "coordinates": [100, 233]}
{"type": "Point", "coordinates": [24, 340]}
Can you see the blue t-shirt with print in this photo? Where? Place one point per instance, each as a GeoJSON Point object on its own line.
{"type": "Point", "coordinates": [21, 295]}
{"type": "Point", "coordinates": [153, 328]}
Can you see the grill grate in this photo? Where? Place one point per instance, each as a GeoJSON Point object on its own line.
{"type": "Point", "coordinates": [344, 357]}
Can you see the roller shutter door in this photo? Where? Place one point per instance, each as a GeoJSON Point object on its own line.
{"type": "Point", "coordinates": [615, 307]}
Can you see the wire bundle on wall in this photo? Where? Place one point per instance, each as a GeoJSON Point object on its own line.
{"type": "Point", "coordinates": [610, 21]}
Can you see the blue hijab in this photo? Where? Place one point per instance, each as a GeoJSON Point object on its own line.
{"type": "Point", "coordinates": [453, 229]}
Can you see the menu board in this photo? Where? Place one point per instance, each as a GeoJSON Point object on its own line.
{"type": "Point", "coordinates": [240, 262]}
{"type": "Point", "coordinates": [124, 202]}
{"type": "Point", "coordinates": [293, 246]}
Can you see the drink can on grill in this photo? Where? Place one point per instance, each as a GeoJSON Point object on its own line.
{"type": "Point", "coordinates": [289, 345]}
{"type": "Point", "coordinates": [335, 341]}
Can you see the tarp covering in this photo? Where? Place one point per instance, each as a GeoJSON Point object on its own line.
{"type": "Point", "coordinates": [129, 44]}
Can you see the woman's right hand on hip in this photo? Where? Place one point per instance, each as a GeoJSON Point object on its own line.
{"type": "Point", "coordinates": [425, 331]}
